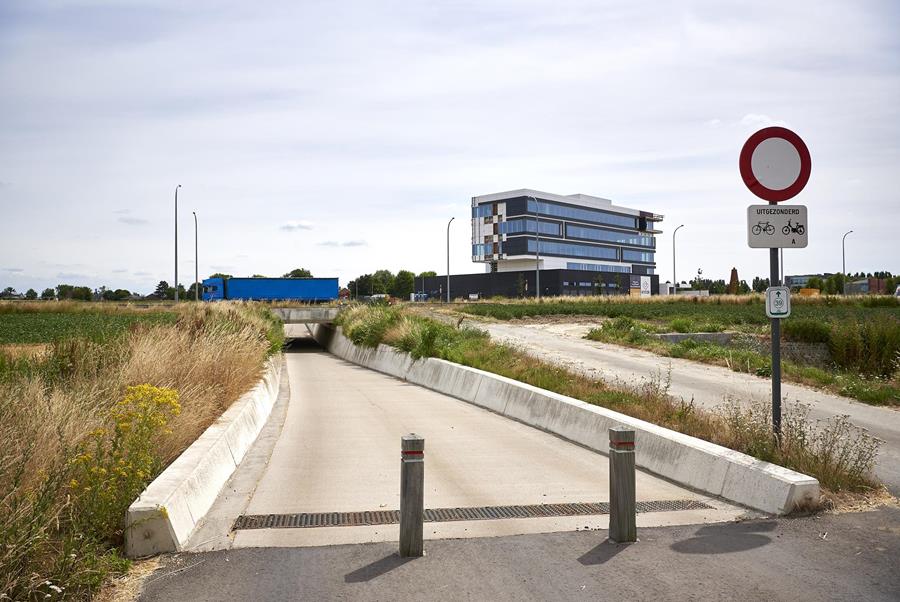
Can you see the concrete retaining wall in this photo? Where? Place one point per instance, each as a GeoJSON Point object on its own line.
{"type": "Point", "coordinates": [693, 462]}
{"type": "Point", "coordinates": [165, 514]}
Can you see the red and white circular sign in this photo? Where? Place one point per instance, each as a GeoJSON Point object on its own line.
{"type": "Point", "coordinates": [775, 164]}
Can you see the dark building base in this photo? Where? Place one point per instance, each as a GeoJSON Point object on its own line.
{"type": "Point", "coordinates": [521, 284]}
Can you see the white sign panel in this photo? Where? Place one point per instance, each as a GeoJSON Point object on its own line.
{"type": "Point", "coordinates": [777, 226]}
{"type": "Point", "coordinates": [645, 286]}
{"type": "Point", "coordinates": [778, 302]}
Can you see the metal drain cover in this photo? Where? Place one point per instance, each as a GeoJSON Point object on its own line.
{"type": "Point", "coordinates": [304, 520]}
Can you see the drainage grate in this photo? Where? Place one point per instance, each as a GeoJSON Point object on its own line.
{"type": "Point", "coordinates": [442, 515]}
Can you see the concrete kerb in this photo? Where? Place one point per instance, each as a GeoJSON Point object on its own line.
{"type": "Point", "coordinates": [698, 464]}
{"type": "Point", "coordinates": [166, 513]}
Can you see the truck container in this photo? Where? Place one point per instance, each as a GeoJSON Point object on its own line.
{"type": "Point", "coordinates": [314, 290]}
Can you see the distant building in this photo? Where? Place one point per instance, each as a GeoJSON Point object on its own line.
{"type": "Point", "coordinates": [802, 280]}
{"type": "Point", "coordinates": [510, 230]}
{"type": "Point", "coordinates": [868, 286]}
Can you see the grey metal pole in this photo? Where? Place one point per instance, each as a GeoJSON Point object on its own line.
{"type": "Point", "coordinates": [537, 248]}
{"type": "Point", "coordinates": [776, 347]}
{"type": "Point", "coordinates": [844, 260]}
{"type": "Point", "coordinates": [176, 242]}
{"type": "Point", "coordinates": [448, 258]}
{"type": "Point", "coordinates": [674, 279]}
{"type": "Point", "coordinates": [196, 265]}
{"type": "Point", "coordinates": [622, 495]}
{"type": "Point", "coordinates": [412, 494]}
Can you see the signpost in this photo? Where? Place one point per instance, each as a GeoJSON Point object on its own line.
{"type": "Point", "coordinates": [775, 165]}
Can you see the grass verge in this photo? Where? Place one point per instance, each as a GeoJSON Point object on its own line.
{"type": "Point", "coordinates": [88, 423]}
{"type": "Point", "coordinates": [840, 455]}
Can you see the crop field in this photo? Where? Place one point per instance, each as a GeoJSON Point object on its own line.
{"type": "Point", "coordinates": [43, 327]}
{"type": "Point", "coordinates": [743, 313]}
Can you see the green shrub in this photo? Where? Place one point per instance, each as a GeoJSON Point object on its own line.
{"type": "Point", "coordinates": [806, 330]}
{"type": "Point", "coordinates": [682, 325]}
{"type": "Point", "coordinates": [869, 347]}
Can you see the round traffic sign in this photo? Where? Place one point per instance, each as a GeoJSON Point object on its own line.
{"type": "Point", "coordinates": [775, 164]}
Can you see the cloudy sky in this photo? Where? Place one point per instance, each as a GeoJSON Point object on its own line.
{"type": "Point", "coordinates": [341, 136]}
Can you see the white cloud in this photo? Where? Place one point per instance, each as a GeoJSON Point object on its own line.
{"type": "Point", "coordinates": [294, 226]}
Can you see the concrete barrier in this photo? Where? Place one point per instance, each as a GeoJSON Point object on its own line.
{"type": "Point", "coordinates": [166, 513]}
{"type": "Point", "coordinates": [698, 464]}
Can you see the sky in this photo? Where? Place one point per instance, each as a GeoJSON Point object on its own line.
{"type": "Point", "coordinates": [342, 136]}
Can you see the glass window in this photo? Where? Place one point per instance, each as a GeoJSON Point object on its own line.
{"type": "Point", "coordinates": [573, 250]}
{"type": "Point", "coordinates": [580, 214]}
{"type": "Point", "coordinates": [642, 256]}
{"type": "Point", "coordinates": [488, 249]}
{"type": "Point", "coordinates": [519, 226]}
{"type": "Point", "coordinates": [593, 267]}
{"type": "Point", "coordinates": [482, 210]}
{"type": "Point", "coordinates": [625, 238]}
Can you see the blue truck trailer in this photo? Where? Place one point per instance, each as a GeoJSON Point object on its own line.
{"type": "Point", "coordinates": [314, 290]}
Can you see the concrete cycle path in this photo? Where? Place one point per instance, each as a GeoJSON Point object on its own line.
{"type": "Point", "coordinates": [338, 450]}
{"type": "Point", "coordinates": [706, 385]}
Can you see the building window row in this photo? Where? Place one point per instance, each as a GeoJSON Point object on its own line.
{"type": "Point", "coordinates": [520, 226]}
{"type": "Point", "coordinates": [582, 215]}
{"type": "Point", "coordinates": [625, 238]}
{"type": "Point", "coordinates": [642, 256]}
{"type": "Point", "coordinates": [482, 250]}
{"type": "Point", "coordinates": [482, 210]}
{"type": "Point", "coordinates": [572, 250]}
{"type": "Point", "coordinates": [593, 267]}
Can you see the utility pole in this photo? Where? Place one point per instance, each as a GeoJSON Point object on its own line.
{"type": "Point", "coordinates": [674, 279]}
{"type": "Point", "coordinates": [176, 242]}
{"type": "Point", "coordinates": [844, 260]}
{"type": "Point", "coordinates": [448, 258]}
{"type": "Point", "coordinates": [196, 265]}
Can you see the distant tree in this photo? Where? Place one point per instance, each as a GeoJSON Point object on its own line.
{"type": "Point", "coordinates": [48, 295]}
{"type": "Point", "coordinates": [427, 274]}
{"type": "Point", "coordinates": [221, 275]}
{"type": "Point", "coordinates": [733, 283]}
{"type": "Point", "coordinates": [31, 294]}
{"type": "Point", "coordinates": [815, 282]}
{"type": "Point", "coordinates": [520, 286]}
{"type": "Point", "coordinates": [834, 284]}
{"type": "Point", "coordinates": [743, 288]}
{"type": "Point", "coordinates": [298, 273]}
{"type": "Point", "coordinates": [108, 294]}
{"type": "Point", "coordinates": [121, 294]}
{"type": "Point", "coordinates": [82, 293]}
{"type": "Point", "coordinates": [64, 291]}
{"type": "Point", "coordinates": [717, 287]}
{"type": "Point", "coordinates": [760, 284]}
{"type": "Point", "coordinates": [260, 276]}
{"type": "Point", "coordinates": [189, 295]}
{"type": "Point", "coordinates": [404, 284]}
{"type": "Point", "coordinates": [383, 282]}
{"type": "Point", "coordinates": [162, 291]}
{"type": "Point", "coordinates": [8, 292]}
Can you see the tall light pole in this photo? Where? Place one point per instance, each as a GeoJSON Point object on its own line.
{"type": "Point", "coordinates": [196, 265]}
{"type": "Point", "coordinates": [176, 242]}
{"type": "Point", "coordinates": [674, 279]}
{"type": "Point", "coordinates": [844, 259]}
{"type": "Point", "coordinates": [448, 258]}
{"type": "Point", "coordinates": [537, 248]}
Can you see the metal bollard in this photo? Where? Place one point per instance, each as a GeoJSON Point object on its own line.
{"type": "Point", "coordinates": [622, 525]}
{"type": "Point", "coordinates": [412, 492]}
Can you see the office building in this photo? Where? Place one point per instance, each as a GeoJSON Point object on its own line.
{"type": "Point", "coordinates": [513, 231]}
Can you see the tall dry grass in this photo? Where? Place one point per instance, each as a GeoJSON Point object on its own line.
{"type": "Point", "coordinates": [49, 407]}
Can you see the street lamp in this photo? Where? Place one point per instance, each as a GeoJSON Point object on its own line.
{"type": "Point", "coordinates": [844, 259]}
{"type": "Point", "coordinates": [176, 242]}
{"type": "Point", "coordinates": [448, 258]}
{"type": "Point", "coordinates": [196, 265]}
{"type": "Point", "coordinates": [537, 248]}
{"type": "Point", "coordinates": [674, 279]}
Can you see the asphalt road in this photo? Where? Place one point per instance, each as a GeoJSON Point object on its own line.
{"type": "Point", "coordinates": [831, 557]}
{"type": "Point", "coordinates": [706, 385]}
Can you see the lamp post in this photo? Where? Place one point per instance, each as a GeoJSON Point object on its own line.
{"type": "Point", "coordinates": [448, 258]}
{"type": "Point", "coordinates": [176, 242]}
{"type": "Point", "coordinates": [674, 279]}
{"type": "Point", "coordinates": [537, 248]}
{"type": "Point", "coordinates": [196, 265]}
{"type": "Point", "coordinates": [844, 259]}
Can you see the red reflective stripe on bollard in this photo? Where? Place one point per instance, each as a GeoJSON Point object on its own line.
{"type": "Point", "coordinates": [413, 452]}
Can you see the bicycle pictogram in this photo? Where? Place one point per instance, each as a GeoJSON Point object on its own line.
{"type": "Point", "coordinates": [763, 227]}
